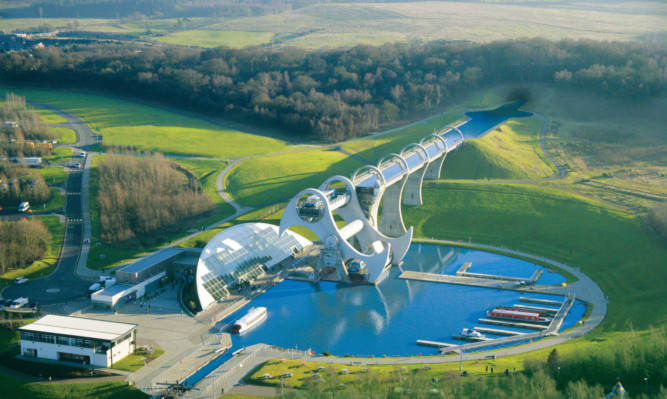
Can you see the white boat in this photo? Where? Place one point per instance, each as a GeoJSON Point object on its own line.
{"type": "Point", "coordinates": [254, 317]}
{"type": "Point", "coordinates": [469, 332]}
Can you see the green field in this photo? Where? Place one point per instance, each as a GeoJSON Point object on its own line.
{"type": "Point", "coordinates": [45, 266]}
{"type": "Point", "coordinates": [207, 173]}
{"type": "Point", "coordinates": [125, 123]}
{"type": "Point", "coordinates": [265, 180]}
{"type": "Point", "coordinates": [54, 174]}
{"type": "Point", "coordinates": [509, 152]}
{"type": "Point", "coordinates": [65, 135]}
{"type": "Point", "coordinates": [135, 361]}
{"type": "Point", "coordinates": [216, 38]}
{"type": "Point", "coordinates": [613, 247]}
{"type": "Point", "coordinates": [15, 388]}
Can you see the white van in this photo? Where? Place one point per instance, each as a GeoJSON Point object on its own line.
{"type": "Point", "coordinates": [24, 206]}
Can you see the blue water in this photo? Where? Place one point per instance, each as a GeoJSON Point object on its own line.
{"type": "Point", "coordinates": [481, 121]}
{"type": "Point", "coordinates": [208, 368]}
{"type": "Point", "coordinates": [389, 318]}
{"type": "Point", "coordinates": [482, 262]}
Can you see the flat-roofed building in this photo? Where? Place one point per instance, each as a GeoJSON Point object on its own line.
{"type": "Point", "coordinates": [75, 339]}
{"type": "Point", "coordinates": [118, 295]}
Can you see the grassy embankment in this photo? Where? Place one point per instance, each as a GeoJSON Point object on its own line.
{"type": "Point", "coordinates": [135, 361]}
{"type": "Point", "coordinates": [15, 388]}
{"type": "Point", "coordinates": [129, 124]}
{"type": "Point", "coordinates": [509, 152]}
{"type": "Point", "coordinates": [45, 266]}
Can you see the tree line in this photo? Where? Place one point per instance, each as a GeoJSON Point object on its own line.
{"type": "Point", "coordinates": [22, 243]}
{"type": "Point", "coordinates": [142, 200]}
{"type": "Point", "coordinates": [18, 184]}
{"type": "Point", "coordinates": [333, 95]}
{"type": "Point", "coordinates": [20, 123]}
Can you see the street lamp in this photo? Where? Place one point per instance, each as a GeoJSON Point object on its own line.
{"type": "Point", "coordinates": [558, 376]}
{"type": "Point", "coordinates": [646, 385]}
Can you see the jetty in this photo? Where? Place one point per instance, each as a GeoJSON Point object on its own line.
{"type": "Point", "coordinates": [540, 301]}
{"type": "Point", "coordinates": [508, 323]}
{"type": "Point", "coordinates": [435, 344]}
{"type": "Point", "coordinates": [496, 331]}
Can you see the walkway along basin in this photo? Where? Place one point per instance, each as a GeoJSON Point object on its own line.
{"type": "Point", "coordinates": [389, 318]}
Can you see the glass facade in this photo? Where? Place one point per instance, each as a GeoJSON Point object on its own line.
{"type": "Point", "coordinates": [239, 254]}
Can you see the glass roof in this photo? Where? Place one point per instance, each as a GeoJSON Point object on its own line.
{"type": "Point", "coordinates": [241, 253]}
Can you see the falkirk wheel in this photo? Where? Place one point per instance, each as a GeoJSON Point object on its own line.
{"type": "Point", "coordinates": [364, 247]}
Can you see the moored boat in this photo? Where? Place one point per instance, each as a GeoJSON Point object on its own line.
{"type": "Point", "coordinates": [254, 317]}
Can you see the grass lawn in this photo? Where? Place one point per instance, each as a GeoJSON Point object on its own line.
{"type": "Point", "coordinates": [509, 152]}
{"type": "Point", "coordinates": [59, 154]}
{"type": "Point", "coordinates": [135, 361]}
{"type": "Point", "coordinates": [216, 38]}
{"type": "Point", "coordinates": [53, 174]}
{"type": "Point", "coordinates": [374, 148]}
{"type": "Point", "coordinates": [207, 172]}
{"type": "Point", "coordinates": [265, 180]}
{"type": "Point", "coordinates": [45, 266]}
{"type": "Point", "coordinates": [126, 123]}
{"type": "Point", "coordinates": [65, 135]}
{"type": "Point", "coordinates": [15, 388]}
{"type": "Point", "coordinates": [613, 247]}
{"type": "Point", "coordinates": [56, 203]}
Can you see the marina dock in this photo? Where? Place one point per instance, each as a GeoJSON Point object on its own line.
{"type": "Point", "coordinates": [515, 324]}
{"type": "Point", "coordinates": [540, 301]}
{"type": "Point", "coordinates": [548, 311]}
{"type": "Point", "coordinates": [467, 338]}
{"type": "Point", "coordinates": [463, 268]}
{"type": "Point", "coordinates": [496, 331]}
{"type": "Point", "coordinates": [434, 344]}
{"type": "Point", "coordinates": [532, 280]}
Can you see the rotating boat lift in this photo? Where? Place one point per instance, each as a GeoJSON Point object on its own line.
{"type": "Point", "coordinates": [364, 239]}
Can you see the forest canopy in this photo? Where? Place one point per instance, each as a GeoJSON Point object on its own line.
{"type": "Point", "coordinates": [142, 199]}
{"type": "Point", "coordinates": [332, 95]}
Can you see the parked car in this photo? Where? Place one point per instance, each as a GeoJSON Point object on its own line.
{"type": "Point", "coordinates": [77, 165]}
{"type": "Point", "coordinates": [20, 280]}
{"type": "Point", "coordinates": [6, 302]}
{"type": "Point", "coordinates": [18, 303]}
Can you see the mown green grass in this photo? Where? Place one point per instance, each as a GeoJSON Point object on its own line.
{"type": "Point", "coordinates": [613, 247]}
{"type": "Point", "coordinates": [15, 388]}
{"type": "Point", "coordinates": [59, 154]}
{"type": "Point", "coordinates": [375, 147]}
{"type": "Point", "coordinates": [45, 266]}
{"type": "Point", "coordinates": [509, 152]}
{"type": "Point", "coordinates": [65, 135]}
{"type": "Point", "coordinates": [216, 38]}
{"type": "Point", "coordinates": [126, 123]}
{"type": "Point", "coordinates": [53, 174]}
{"type": "Point", "coordinates": [268, 179]}
{"type": "Point", "coordinates": [207, 172]}
{"type": "Point", "coordinates": [134, 362]}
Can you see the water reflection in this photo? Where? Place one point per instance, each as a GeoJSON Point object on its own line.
{"type": "Point", "coordinates": [386, 319]}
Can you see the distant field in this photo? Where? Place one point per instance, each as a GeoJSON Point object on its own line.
{"type": "Point", "coordinates": [510, 152]}
{"type": "Point", "coordinates": [215, 38]}
{"type": "Point", "coordinates": [268, 179]}
{"type": "Point", "coordinates": [125, 123]}
{"type": "Point", "coordinates": [335, 25]}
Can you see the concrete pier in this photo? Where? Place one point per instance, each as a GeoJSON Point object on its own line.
{"type": "Point", "coordinates": [434, 344]}
{"type": "Point", "coordinates": [464, 268]}
{"type": "Point", "coordinates": [540, 301]}
{"type": "Point", "coordinates": [467, 338]}
{"type": "Point", "coordinates": [508, 323]}
{"type": "Point", "coordinates": [497, 331]}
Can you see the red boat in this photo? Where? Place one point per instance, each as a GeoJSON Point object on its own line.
{"type": "Point", "coordinates": [515, 314]}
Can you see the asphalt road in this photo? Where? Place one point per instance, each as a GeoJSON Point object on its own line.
{"type": "Point", "coordinates": [63, 285]}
